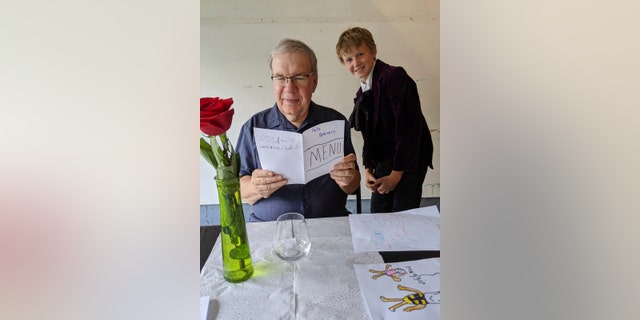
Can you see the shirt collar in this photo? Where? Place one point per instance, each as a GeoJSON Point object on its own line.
{"type": "Point", "coordinates": [276, 120]}
{"type": "Point", "coordinates": [367, 84]}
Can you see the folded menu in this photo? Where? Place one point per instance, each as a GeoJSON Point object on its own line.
{"type": "Point", "coordinates": [401, 290]}
{"type": "Point", "coordinates": [409, 230]}
{"type": "Point", "coordinates": [301, 157]}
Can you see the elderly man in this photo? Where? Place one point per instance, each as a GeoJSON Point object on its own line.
{"type": "Point", "coordinates": [294, 72]}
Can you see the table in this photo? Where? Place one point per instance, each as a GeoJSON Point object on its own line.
{"type": "Point", "coordinates": [209, 235]}
{"type": "Point", "coordinates": [320, 286]}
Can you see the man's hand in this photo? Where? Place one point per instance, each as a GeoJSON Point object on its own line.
{"type": "Point", "coordinates": [266, 182]}
{"type": "Point", "coordinates": [345, 174]}
{"type": "Point", "coordinates": [261, 184]}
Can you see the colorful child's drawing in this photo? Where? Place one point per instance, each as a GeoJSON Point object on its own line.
{"type": "Point", "coordinates": [394, 273]}
{"type": "Point", "coordinates": [416, 300]}
{"type": "Point", "coordinates": [406, 285]}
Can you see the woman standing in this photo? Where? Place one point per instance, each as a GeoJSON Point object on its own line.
{"type": "Point", "coordinates": [397, 143]}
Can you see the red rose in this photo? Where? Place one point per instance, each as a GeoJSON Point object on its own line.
{"type": "Point", "coordinates": [215, 115]}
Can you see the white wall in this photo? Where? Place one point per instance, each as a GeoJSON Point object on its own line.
{"type": "Point", "coordinates": [237, 37]}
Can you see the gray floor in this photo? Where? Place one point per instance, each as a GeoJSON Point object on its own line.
{"type": "Point", "coordinates": [210, 214]}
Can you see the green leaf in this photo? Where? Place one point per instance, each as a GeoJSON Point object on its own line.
{"type": "Point", "coordinates": [207, 153]}
{"type": "Point", "coordinates": [226, 172]}
{"type": "Point", "coordinates": [220, 157]}
{"type": "Point", "coordinates": [235, 163]}
{"type": "Point", "coordinates": [240, 253]}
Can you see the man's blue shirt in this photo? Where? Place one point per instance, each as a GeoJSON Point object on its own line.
{"type": "Point", "coordinates": [321, 197]}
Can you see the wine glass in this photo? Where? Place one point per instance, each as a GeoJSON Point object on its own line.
{"type": "Point", "coordinates": [292, 240]}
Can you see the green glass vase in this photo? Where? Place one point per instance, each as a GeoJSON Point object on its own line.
{"type": "Point", "coordinates": [236, 256]}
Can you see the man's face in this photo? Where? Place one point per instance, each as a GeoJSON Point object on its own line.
{"type": "Point", "coordinates": [359, 61]}
{"type": "Point", "coordinates": [294, 96]}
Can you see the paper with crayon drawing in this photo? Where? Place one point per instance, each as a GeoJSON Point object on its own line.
{"type": "Point", "coordinates": [401, 290]}
{"type": "Point", "coordinates": [409, 230]}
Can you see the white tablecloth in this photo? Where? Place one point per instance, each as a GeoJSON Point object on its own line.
{"type": "Point", "coordinates": [322, 286]}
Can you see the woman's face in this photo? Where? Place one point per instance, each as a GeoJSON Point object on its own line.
{"type": "Point", "coordinates": [359, 61]}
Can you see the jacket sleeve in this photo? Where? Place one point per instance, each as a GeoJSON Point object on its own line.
{"type": "Point", "coordinates": [405, 105]}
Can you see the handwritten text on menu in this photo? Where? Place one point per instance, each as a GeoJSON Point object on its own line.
{"type": "Point", "coordinates": [301, 157]}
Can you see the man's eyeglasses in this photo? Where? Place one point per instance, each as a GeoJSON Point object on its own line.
{"type": "Point", "coordinates": [299, 80]}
